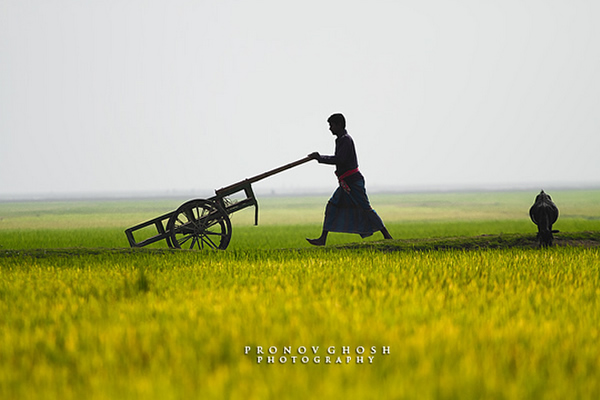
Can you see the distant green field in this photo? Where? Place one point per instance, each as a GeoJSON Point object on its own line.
{"type": "Point", "coordinates": [284, 222]}
{"type": "Point", "coordinates": [84, 316]}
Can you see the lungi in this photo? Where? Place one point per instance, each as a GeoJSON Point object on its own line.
{"type": "Point", "coordinates": [349, 210]}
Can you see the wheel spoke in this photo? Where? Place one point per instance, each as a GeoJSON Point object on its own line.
{"type": "Point", "coordinates": [194, 240]}
{"type": "Point", "coordinates": [184, 239]}
{"type": "Point", "coordinates": [212, 223]}
{"type": "Point", "coordinates": [189, 214]}
{"type": "Point", "coordinates": [180, 221]}
{"type": "Point", "coordinates": [208, 241]}
{"type": "Point", "coordinates": [215, 233]}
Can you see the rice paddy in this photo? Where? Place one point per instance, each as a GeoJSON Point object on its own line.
{"type": "Point", "coordinates": [461, 305]}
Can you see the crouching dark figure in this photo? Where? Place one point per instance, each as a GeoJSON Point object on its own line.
{"type": "Point", "coordinates": [544, 214]}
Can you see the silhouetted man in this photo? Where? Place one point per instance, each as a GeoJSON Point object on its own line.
{"type": "Point", "coordinates": [348, 209]}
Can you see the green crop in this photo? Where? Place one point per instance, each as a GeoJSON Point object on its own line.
{"type": "Point", "coordinates": [440, 313]}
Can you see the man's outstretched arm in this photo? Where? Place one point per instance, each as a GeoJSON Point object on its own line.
{"type": "Point", "coordinates": [323, 159]}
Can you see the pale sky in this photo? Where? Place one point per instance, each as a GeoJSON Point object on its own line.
{"type": "Point", "coordinates": [126, 97]}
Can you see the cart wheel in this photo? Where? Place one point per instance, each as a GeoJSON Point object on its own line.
{"type": "Point", "coordinates": [198, 224]}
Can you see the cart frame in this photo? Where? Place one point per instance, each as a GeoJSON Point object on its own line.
{"type": "Point", "coordinates": [205, 222]}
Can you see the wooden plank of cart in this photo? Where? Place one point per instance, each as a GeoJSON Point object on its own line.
{"type": "Point", "coordinates": [205, 223]}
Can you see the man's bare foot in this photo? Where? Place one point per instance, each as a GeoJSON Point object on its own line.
{"type": "Point", "coordinates": [316, 242]}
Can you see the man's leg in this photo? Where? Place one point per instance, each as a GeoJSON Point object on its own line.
{"type": "Point", "coordinates": [320, 241]}
{"type": "Point", "coordinates": [361, 199]}
{"type": "Point", "coordinates": [331, 214]}
{"type": "Point", "coordinates": [386, 234]}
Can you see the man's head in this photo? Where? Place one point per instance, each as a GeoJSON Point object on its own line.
{"type": "Point", "coordinates": [337, 124]}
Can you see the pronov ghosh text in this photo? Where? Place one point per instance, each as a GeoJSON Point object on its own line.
{"type": "Point", "coordinates": [316, 354]}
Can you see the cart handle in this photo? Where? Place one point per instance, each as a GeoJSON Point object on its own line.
{"type": "Point", "coordinates": [264, 175]}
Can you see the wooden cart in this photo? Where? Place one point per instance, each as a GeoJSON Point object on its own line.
{"type": "Point", "coordinates": [201, 223]}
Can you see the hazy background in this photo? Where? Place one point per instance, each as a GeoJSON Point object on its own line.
{"type": "Point", "coordinates": [155, 97]}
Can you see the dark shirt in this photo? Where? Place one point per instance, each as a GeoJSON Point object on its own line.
{"type": "Point", "coordinates": [345, 155]}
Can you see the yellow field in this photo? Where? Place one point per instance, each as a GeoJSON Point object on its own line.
{"type": "Point", "coordinates": [96, 320]}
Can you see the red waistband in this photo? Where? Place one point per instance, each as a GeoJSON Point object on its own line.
{"type": "Point", "coordinates": [348, 173]}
